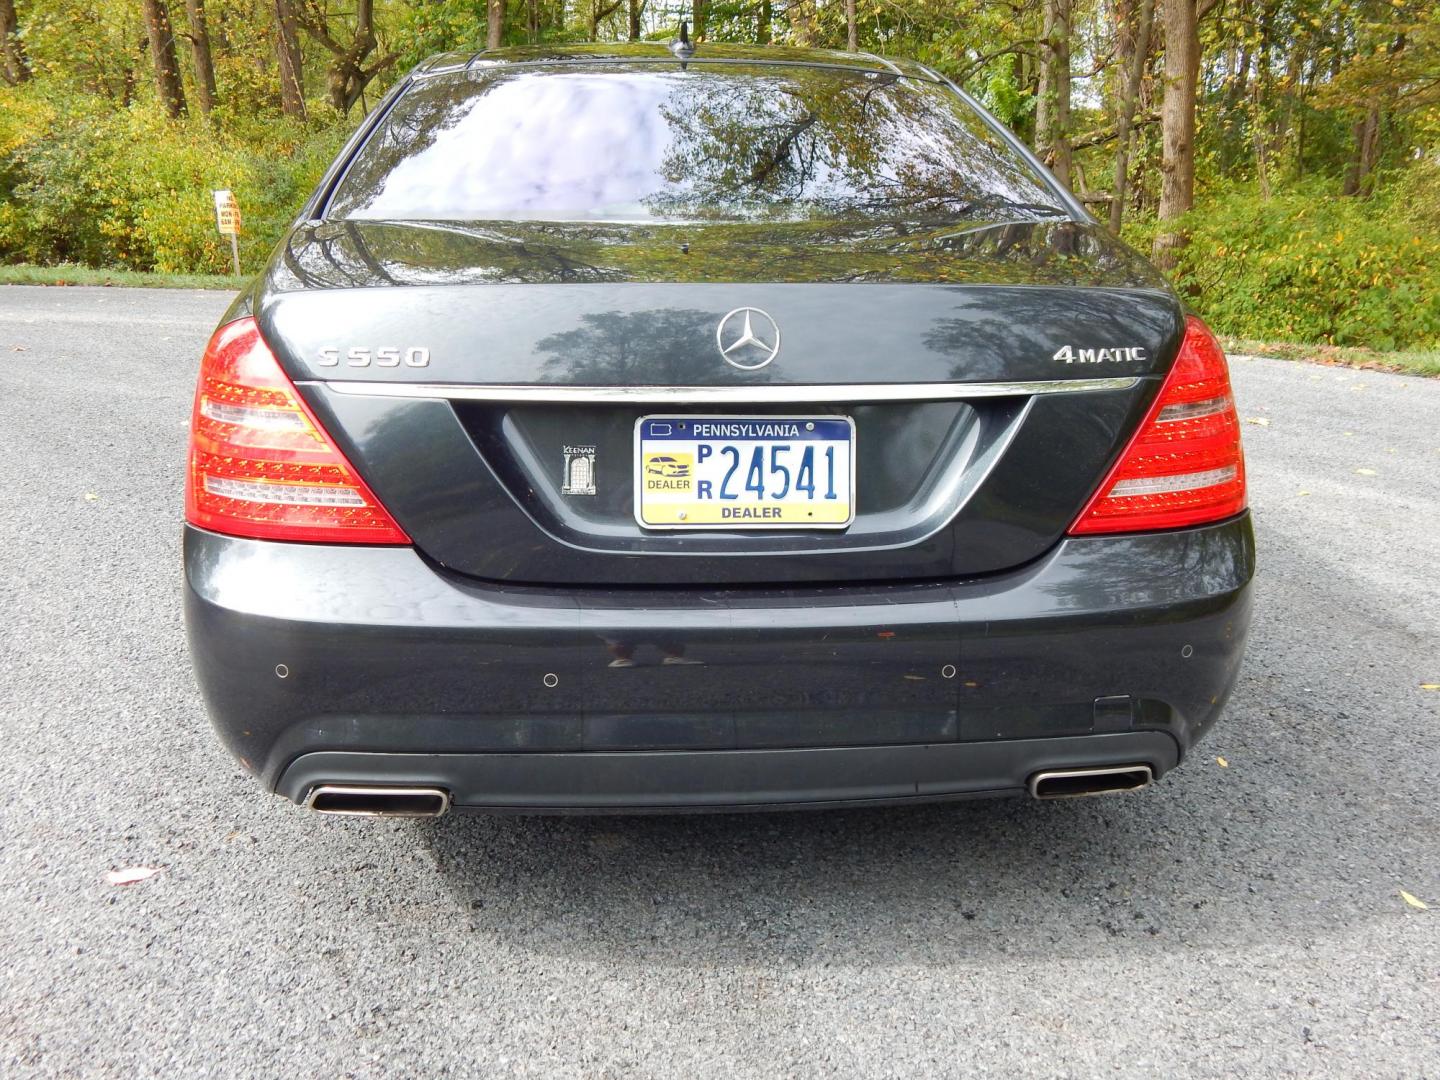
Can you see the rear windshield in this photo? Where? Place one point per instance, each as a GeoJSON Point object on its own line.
{"type": "Point", "coordinates": [719, 143]}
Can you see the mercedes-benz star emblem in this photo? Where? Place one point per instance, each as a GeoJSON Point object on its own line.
{"type": "Point", "coordinates": [748, 338]}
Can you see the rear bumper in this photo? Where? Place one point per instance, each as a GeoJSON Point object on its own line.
{"type": "Point", "coordinates": [368, 665]}
{"type": "Point", "coordinates": [729, 779]}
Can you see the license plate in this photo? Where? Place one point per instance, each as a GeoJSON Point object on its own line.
{"type": "Point", "coordinates": [744, 472]}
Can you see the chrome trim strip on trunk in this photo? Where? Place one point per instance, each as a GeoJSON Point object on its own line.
{"type": "Point", "coordinates": [840, 393]}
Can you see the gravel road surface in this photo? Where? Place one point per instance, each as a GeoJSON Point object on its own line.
{"type": "Point", "coordinates": [1243, 917]}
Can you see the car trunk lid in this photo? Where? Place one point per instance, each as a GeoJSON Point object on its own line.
{"type": "Point", "coordinates": [992, 373]}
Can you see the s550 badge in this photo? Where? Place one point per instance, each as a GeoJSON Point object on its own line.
{"type": "Point", "coordinates": [415, 356]}
{"type": "Point", "coordinates": [1071, 355]}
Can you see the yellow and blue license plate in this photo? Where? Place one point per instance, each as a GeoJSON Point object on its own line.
{"type": "Point", "coordinates": [744, 472]}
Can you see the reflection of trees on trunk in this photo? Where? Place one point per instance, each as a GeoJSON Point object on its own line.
{"type": "Point", "coordinates": [1157, 570]}
{"type": "Point", "coordinates": [334, 255]}
{"type": "Point", "coordinates": [352, 253]}
{"type": "Point", "coordinates": [363, 254]}
{"type": "Point", "coordinates": [1059, 253]}
{"type": "Point", "coordinates": [665, 347]}
{"type": "Point", "coordinates": [984, 337]}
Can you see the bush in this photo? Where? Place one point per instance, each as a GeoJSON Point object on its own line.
{"type": "Point", "coordinates": [129, 189]}
{"type": "Point", "coordinates": [1418, 190]}
{"type": "Point", "coordinates": [1312, 266]}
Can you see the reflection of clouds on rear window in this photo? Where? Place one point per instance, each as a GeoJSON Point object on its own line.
{"type": "Point", "coordinates": [737, 144]}
{"type": "Point", "coordinates": [535, 147]}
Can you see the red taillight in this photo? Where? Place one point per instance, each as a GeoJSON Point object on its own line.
{"type": "Point", "coordinates": [260, 463]}
{"type": "Point", "coordinates": [1185, 465]}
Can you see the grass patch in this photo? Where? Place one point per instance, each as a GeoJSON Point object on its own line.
{"type": "Point", "coordinates": [1404, 361]}
{"type": "Point", "coordinates": [83, 275]}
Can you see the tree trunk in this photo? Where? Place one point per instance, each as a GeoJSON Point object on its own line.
{"type": "Point", "coordinates": [348, 74]}
{"type": "Point", "coordinates": [200, 50]}
{"type": "Point", "coordinates": [1294, 77]}
{"type": "Point", "coordinates": [599, 11]}
{"type": "Point", "coordinates": [1177, 125]}
{"type": "Point", "coordinates": [701, 14]}
{"type": "Point", "coordinates": [1367, 146]}
{"type": "Point", "coordinates": [762, 28]}
{"type": "Point", "coordinates": [852, 36]}
{"type": "Point", "coordinates": [1130, 97]}
{"type": "Point", "coordinates": [1232, 115]}
{"type": "Point", "coordinates": [1300, 145]}
{"type": "Point", "coordinates": [1122, 22]}
{"type": "Point", "coordinates": [14, 65]}
{"type": "Point", "coordinates": [1359, 178]}
{"type": "Point", "coordinates": [1052, 110]}
{"type": "Point", "coordinates": [127, 86]}
{"type": "Point", "coordinates": [636, 7]}
{"type": "Point", "coordinates": [802, 23]}
{"type": "Point", "coordinates": [1023, 69]}
{"type": "Point", "coordinates": [287, 53]}
{"type": "Point", "coordinates": [162, 57]}
{"type": "Point", "coordinates": [494, 23]}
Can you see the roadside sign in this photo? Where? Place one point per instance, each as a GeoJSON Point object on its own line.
{"type": "Point", "coordinates": [227, 221]}
{"type": "Point", "coordinates": [227, 213]}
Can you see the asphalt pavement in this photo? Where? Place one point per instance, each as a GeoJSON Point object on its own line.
{"type": "Point", "coordinates": [1244, 916]}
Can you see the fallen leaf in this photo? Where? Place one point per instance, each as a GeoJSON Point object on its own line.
{"type": "Point", "coordinates": [130, 875]}
{"type": "Point", "coordinates": [1222, 763]}
{"type": "Point", "coordinates": [90, 496]}
{"type": "Point", "coordinates": [1430, 686]}
{"type": "Point", "coordinates": [1366, 472]}
{"type": "Point", "coordinates": [1304, 493]}
{"type": "Point", "coordinates": [1414, 901]}
{"type": "Point", "coordinates": [1263, 421]}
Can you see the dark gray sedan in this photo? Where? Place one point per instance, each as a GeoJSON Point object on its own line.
{"type": "Point", "coordinates": [633, 428]}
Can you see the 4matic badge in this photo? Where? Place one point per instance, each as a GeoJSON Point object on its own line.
{"type": "Point", "coordinates": [1071, 355]}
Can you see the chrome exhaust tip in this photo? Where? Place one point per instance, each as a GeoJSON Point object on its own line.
{"type": "Point", "coordinates": [1076, 783]}
{"type": "Point", "coordinates": [361, 800]}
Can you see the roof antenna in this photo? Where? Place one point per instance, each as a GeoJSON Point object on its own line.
{"type": "Point", "coordinates": [682, 47]}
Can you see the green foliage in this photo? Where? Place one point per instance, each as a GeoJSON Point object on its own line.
{"type": "Point", "coordinates": [1418, 190]}
{"type": "Point", "coordinates": [426, 29]}
{"type": "Point", "coordinates": [1006, 98]}
{"type": "Point", "coordinates": [126, 188]}
{"type": "Point", "coordinates": [1308, 266]}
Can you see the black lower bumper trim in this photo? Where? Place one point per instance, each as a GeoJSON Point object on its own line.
{"type": "Point", "coordinates": [638, 781]}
